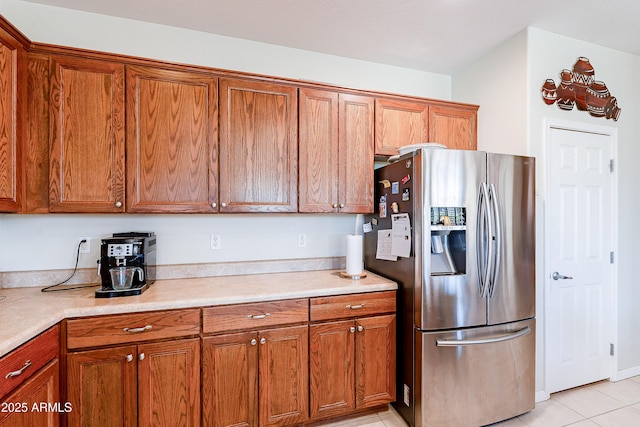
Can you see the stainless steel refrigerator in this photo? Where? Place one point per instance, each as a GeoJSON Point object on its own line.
{"type": "Point", "coordinates": [456, 230]}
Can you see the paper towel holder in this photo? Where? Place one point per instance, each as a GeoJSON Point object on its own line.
{"type": "Point", "coordinates": [353, 276]}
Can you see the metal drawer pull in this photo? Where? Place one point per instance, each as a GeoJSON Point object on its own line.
{"type": "Point", "coordinates": [263, 341]}
{"type": "Point", "coordinates": [129, 357]}
{"type": "Point", "coordinates": [355, 307]}
{"type": "Point", "coordinates": [134, 330]}
{"type": "Point", "coordinates": [258, 316]}
{"type": "Point", "coordinates": [352, 329]}
{"type": "Point", "coordinates": [254, 341]}
{"type": "Point", "coordinates": [360, 328]}
{"type": "Point", "coordinates": [499, 338]}
{"type": "Point", "coordinates": [19, 371]}
{"type": "Point", "coordinates": [141, 356]}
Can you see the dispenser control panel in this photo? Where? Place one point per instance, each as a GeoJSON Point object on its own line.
{"type": "Point", "coordinates": [120, 249]}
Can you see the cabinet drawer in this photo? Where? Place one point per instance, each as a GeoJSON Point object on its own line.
{"type": "Point", "coordinates": [134, 327]}
{"type": "Point", "coordinates": [354, 305]}
{"type": "Point", "coordinates": [27, 359]}
{"type": "Point", "coordinates": [254, 316]}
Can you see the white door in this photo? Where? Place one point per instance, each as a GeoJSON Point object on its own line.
{"type": "Point", "coordinates": [579, 241]}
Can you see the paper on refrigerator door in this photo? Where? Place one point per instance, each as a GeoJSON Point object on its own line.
{"type": "Point", "coordinates": [401, 235]}
{"type": "Point", "coordinates": [383, 249]}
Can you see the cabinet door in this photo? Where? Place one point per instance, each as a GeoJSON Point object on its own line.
{"type": "Point", "coordinates": [453, 126]}
{"type": "Point", "coordinates": [172, 139]}
{"type": "Point", "coordinates": [283, 376]}
{"type": "Point", "coordinates": [86, 171]}
{"type": "Point", "coordinates": [332, 369]}
{"type": "Point", "coordinates": [258, 147]}
{"type": "Point", "coordinates": [102, 387]}
{"type": "Point", "coordinates": [36, 144]}
{"type": "Point", "coordinates": [375, 361]}
{"type": "Point", "coordinates": [319, 157]}
{"type": "Point", "coordinates": [230, 380]}
{"type": "Point", "coordinates": [400, 123]}
{"type": "Point", "coordinates": [41, 389]}
{"type": "Point", "coordinates": [11, 59]}
{"type": "Point", "coordinates": [169, 383]}
{"type": "Point", "coordinates": [356, 154]}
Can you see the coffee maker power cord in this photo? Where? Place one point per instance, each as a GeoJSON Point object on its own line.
{"type": "Point", "coordinates": [53, 288]}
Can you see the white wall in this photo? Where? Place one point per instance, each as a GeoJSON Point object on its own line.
{"type": "Point", "coordinates": [498, 83]}
{"type": "Point", "coordinates": [38, 242]}
{"type": "Point", "coordinates": [67, 27]}
{"type": "Point", "coordinates": [506, 84]}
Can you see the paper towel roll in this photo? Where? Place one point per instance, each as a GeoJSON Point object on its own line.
{"type": "Point", "coordinates": [355, 265]}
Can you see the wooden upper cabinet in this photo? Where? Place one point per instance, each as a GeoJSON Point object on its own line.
{"type": "Point", "coordinates": [336, 152]}
{"type": "Point", "coordinates": [454, 126]}
{"type": "Point", "coordinates": [356, 154]}
{"type": "Point", "coordinates": [258, 147]}
{"type": "Point", "coordinates": [11, 59]}
{"type": "Point", "coordinates": [87, 136]}
{"type": "Point", "coordinates": [319, 156]}
{"type": "Point", "coordinates": [400, 123]}
{"type": "Point", "coordinates": [172, 138]}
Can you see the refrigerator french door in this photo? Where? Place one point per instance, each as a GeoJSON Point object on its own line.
{"type": "Point", "coordinates": [466, 299]}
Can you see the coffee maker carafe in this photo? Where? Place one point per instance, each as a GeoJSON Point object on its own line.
{"type": "Point", "coordinates": [129, 258]}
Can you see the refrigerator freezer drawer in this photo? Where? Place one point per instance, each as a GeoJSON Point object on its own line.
{"type": "Point", "coordinates": [475, 377]}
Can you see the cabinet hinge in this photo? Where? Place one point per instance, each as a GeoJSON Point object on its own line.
{"type": "Point", "coordinates": [611, 257]}
{"type": "Point", "coordinates": [611, 350]}
{"type": "Point", "coordinates": [611, 165]}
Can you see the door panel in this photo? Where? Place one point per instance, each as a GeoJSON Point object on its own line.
{"type": "Point", "coordinates": [513, 178]}
{"type": "Point", "coordinates": [579, 234]}
{"type": "Point", "coordinates": [101, 387]}
{"type": "Point", "coordinates": [474, 385]}
{"type": "Point", "coordinates": [452, 178]}
{"type": "Point", "coordinates": [169, 383]}
{"type": "Point", "coordinates": [284, 376]}
{"type": "Point", "coordinates": [230, 380]}
{"type": "Point", "coordinates": [332, 369]}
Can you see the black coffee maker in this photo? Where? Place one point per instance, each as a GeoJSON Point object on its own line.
{"type": "Point", "coordinates": [126, 251]}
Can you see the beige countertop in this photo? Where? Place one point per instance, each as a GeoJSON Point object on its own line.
{"type": "Point", "coordinates": [25, 312]}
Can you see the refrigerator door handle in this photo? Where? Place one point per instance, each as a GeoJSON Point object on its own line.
{"type": "Point", "coordinates": [484, 246]}
{"type": "Point", "coordinates": [498, 338]}
{"type": "Point", "coordinates": [495, 218]}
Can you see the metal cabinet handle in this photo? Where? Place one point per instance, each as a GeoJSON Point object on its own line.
{"type": "Point", "coordinates": [355, 307]}
{"type": "Point", "coordinates": [341, 205]}
{"type": "Point", "coordinates": [224, 205]}
{"type": "Point", "coordinates": [258, 316]}
{"type": "Point", "coordinates": [214, 205]}
{"type": "Point", "coordinates": [19, 371]}
{"type": "Point", "coordinates": [141, 356]}
{"type": "Point", "coordinates": [557, 276]}
{"type": "Point", "coordinates": [360, 328]}
{"type": "Point", "coordinates": [253, 341]}
{"type": "Point", "coordinates": [135, 330]}
{"type": "Point", "coordinates": [129, 357]}
{"type": "Point", "coordinates": [263, 341]}
{"type": "Point", "coordinates": [352, 329]}
{"type": "Point", "coordinates": [118, 204]}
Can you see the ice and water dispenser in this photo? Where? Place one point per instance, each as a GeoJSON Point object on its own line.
{"type": "Point", "coordinates": [448, 241]}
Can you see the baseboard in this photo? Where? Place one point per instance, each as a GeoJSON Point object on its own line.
{"type": "Point", "coordinates": [626, 373]}
{"type": "Point", "coordinates": [541, 396]}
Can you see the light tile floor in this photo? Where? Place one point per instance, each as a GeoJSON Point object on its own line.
{"type": "Point", "coordinates": [604, 404]}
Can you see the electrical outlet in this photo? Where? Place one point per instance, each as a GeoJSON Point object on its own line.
{"type": "Point", "coordinates": [302, 240]}
{"type": "Point", "coordinates": [216, 241]}
{"type": "Point", "coordinates": [85, 248]}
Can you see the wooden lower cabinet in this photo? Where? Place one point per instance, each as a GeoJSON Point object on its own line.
{"type": "Point", "coordinates": [257, 378]}
{"type": "Point", "coordinates": [154, 383]}
{"type": "Point", "coordinates": [36, 402]}
{"type": "Point", "coordinates": [352, 365]}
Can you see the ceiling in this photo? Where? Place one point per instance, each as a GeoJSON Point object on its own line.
{"type": "Point", "coordinates": [439, 36]}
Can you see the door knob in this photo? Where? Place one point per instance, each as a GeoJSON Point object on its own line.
{"type": "Point", "coordinates": [558, 276]}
